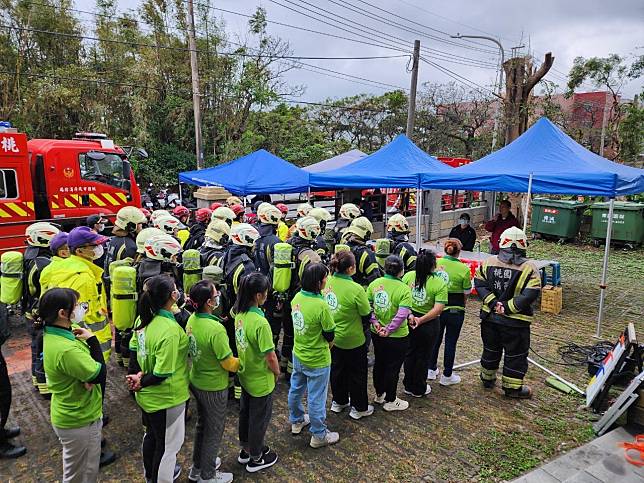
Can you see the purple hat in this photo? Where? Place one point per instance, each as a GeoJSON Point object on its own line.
{"type": "Point", "coordinates": [58, 241]}
{"type": "Point", "coordinates": [84, 235]}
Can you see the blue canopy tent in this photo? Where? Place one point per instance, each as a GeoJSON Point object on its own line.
{"type": "Point", "coordinates": [257, 173]}
{"type": "Point", "coordinates": [335, 162]}
{"type": "Point", "coordinates": [546, 160]}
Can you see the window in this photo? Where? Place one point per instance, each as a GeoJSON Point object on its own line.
{"type": "Point", "coordinates": [457, 199]}
{"type": "Point", "coordinates": [108, 170]}
{"type": "Point", "coordinates": [8, 184]}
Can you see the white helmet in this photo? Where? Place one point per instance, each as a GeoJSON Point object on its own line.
{"type": "Point", "coordinates": [162, 247]}
{"type": "Point", "coordinates": [157, 213]}
{"type": "Point", "coordinates": [308, 227]}
{"type": "Point", "coordinates": [270, 214]}
{"type": "Point", "coordinates": [303, 209]}
{"type": "Point", "coordinates": [40, 234]}
{"type": "Point", "coordinates": [128, 217]}
{"type": "Point", "coordinates": [218, 231]}
{"type": "Point", "coordinates": [513, 236]}
{"type": "Point", "coordinates": [168, 224]}
{"type": "Point", "coordinates": [349, 211]}
{"type": "Point", "coordinates": [233, 200]}
{"type": "Point", "coordinates": [398, 223]}
{"type": "Point", "coordinates": [362, 227]}
{"type": "Point", "coordinates": [244, 234]}
{"type": "Point", "coordinates": [144, 235]}
{"type": "Point", "coordinates": [224, 213]}
{"type": "Point", "coordinates": [320, 214]}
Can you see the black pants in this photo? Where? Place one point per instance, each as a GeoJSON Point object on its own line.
{"type": "Point", "coordinates": [163, 438]}
{"type": "Point", "coordinates": [349, 376]}
{"type": "Point", "coordinates": [511, 343]}
{"type": "Point", "coordinates": [5, 396]}
{"type": "Point", "coordinates": [390, 354]}
{"type": "Point", "coordinates": [254, 415]}
{"type": "Point", "coordinates": [451, 323]}
{"type": "Point", "coordinates": [421, 343]}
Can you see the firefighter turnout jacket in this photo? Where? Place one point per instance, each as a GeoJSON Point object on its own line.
{"type": "Point", "coordinates": [265, 248]}
{"type": "Point", "coordinates": [404, 249]}
{"type": "Point", "coordinates": [367, 268]}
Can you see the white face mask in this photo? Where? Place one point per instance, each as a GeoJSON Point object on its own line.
{"type": "Point", "coordinates": [100, 228]}
{"type": "Point", "coordinates": [98, 252]}
{"type": "Point", "coordinates": [78, 314]}
{"type": "Point", "coordinates": [464, 222]}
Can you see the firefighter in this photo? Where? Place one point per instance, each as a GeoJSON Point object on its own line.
{"type": "Point", "coordinates": [97, 223]}
{"type": "Point", "coordinates": [302, 211]}
{"type": "Point", "coordinates": [198, 229]}
{"type": "Point", "coordinates": [238, 263]}
{"type": "Point", "coordinates": [158, 213]}
{"type": "Point", "coordinates": [215, 205]}
{"type": "Point", "coordinates": [161, 253]}
{"type": "Point", "coordinates": [60, 250]}
{"type": "Point", "coordinates": [37, 256]}
{"type": "Point", "coordinates": [169, 225]}
{"type": "Point", "coordinates": [239, 213]}
{"type": "Point", "coordinates": [282, 227]}
{"type": "Point", "coordinates": [182, 214]}
{"type": "Point", "coordinates": [398, 233]}
{"type": "Point", "coordinates": [322, 216]}
{"type": "Point", "coordinates": [508, 284]}
{"type": "Point", "coordinates": [348, 213]}
{"type": "Point", "coordinates": [224, 213]}
{"type": "Point", "coordinates": [141, 238]}
{"type": "Point", "coordinates": [215, 242]}
{"type": "Point", "coordinates": [356, 237]}
{"type": "Point", "coordinates": [233, 200]}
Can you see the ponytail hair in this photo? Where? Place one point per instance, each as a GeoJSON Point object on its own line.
{"type": "Point", "coordinates": [157, 291]}
{"type": "Point", "coordinates": [425, 266]}
{"type": "Point", "coordinates": [394, 265]}
{"type": "Point", "coordinates": [200, 293]}
{"type": "Point", "coordinates": [250, 286]}
{"type": "Point", "coordinates": [453, 247]}
{"type": "Point", "coordinates": [52, 301]}
{"type": "Point", "coordinates": [342, 261]}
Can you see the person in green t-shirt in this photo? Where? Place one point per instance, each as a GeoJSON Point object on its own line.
{"type": "Point", "coordinates": [351, 313]}
{"type": "Point", "coordinates": [391, 301]}
{"type": "Point", "coordinates": [75, 370]}
{"type": "Point", "coordinates": [429, 296]}
{"type": "Point", "coordinates": [258, 371]}
{"type": "Point", "coordinates": [159, 377]}
{"type": "Point", "coordinates": [212, 360]}
{"type": "Point", "coordinates": [451, 320]}
{"type": "Point", "coordinates": [314, 328]}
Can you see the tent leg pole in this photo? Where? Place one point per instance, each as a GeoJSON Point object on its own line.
{"type": "Point", "coordinates": [602, 285]}
{"type": "Point", "coordinates": [527, 204]}
{"type": "Point", "coordinates": [385, 218]}
{"type": "Point", "coordinates": [180, 194]}
{"type": "Point", "coordinates": [419, 209]}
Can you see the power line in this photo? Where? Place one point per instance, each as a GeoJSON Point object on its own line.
{"type": "Point", "coordinates": [459, 78]}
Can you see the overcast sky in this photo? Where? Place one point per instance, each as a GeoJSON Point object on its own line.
{"type": "Point", "coordinates": [567, 28]}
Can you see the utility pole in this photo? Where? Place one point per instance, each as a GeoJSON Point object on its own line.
{"type": "Point", "coordinates": [411, 111]}
{"type": "Point", "coordinates": [196, 101]}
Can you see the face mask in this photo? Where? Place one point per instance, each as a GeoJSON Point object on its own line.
{"type": "Point", "coordinates": [463, 222]}
{"type": "Point", "coordinates": [216, 300]}
{"type": "Point", "coordinates": [100, 228]}
{"type": "Point", "coordinates": [98, 252]}
{"type": "Point", "coordinates": [78, 314]}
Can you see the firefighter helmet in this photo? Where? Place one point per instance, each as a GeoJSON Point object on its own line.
{"type": "Point", "coordinates": [215, 205]}
{"type": "Point", "coordinates": [244, 234]}
{"type": "Point", "coordinates": [162, 247]}
{"type": "Point", "coordinates": [146, 213]}
{"type": "Point", "coordinates": [283, 208]}
{"type": "Point", "coordinates": [180, 211]}
{"type": "Point", "coordinates": [168, 224]}
{"type": "Point", "coordinates": [320, 214]}
{"type": "Point", "coordinates": [224, 213]}
{"type": "Point", "coordinates": [144, 235]}
{"type": "Point", "coordinates": [513, 236]}
{"type": "Point", "coordinates": [203, 215]}
{"type": "Point", "coordinates": [237, 209]}
{"type": "Point", "coordinates": [308, 227]}
{"type": "Point", "coordinates": [128, 217]}
{"type": "Point", "coordinates": [267, 213]}
{"type": "Point", "coordinates": [40, 234]}
{"type": "Point", "coordinates": [157, 213]}
{"type": "Point", "coordinates": [361, 227]}
{"type": "Point", "coordinates": [398, 223]}
{"type": "Point", "coordinates": [218, 231]}
{"type": "Point", "coordinates": [233, 200]}
{"type": "Point", "coordinates": [303, 209]}
{"type": "Point", "coordinates": [349, 211]}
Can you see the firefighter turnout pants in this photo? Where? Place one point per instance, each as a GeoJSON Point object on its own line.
{"type": "Point", "coordinates": [511, 343]}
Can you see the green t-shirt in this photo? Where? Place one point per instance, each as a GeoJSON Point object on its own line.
{"type": "Point", "coordinates": [459, 281]}
{"type": "Point", "coordinates": [348, 303]}
{"type": "Point", "coordinates": [162, 349]}
{"type": "Point", "coordinates": [434, 291]}
{"type": "Point", "coordinates": [68, 365]}
{"type": "Point", "coordinates": [208, 346]}
{"type": "Point", "coordinates": [254, 340]}
{"type": "Point", "coordinates": [311, 315]}
{"type": "Point", "coordinates": [387, 294]}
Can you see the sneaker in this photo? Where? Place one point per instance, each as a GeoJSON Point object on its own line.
{"type": "Point", "coordinates": [107, 458]}
{"type": "Point", "coordinates": [397, 405]}
{"type": "Point", "coordinates": [220, 477]}
{"type": "Point", "coordinates": [451, 380]}
{"type": "Point", "coordinates": [329, 438]}
{"type": "Point", "coordinates": [266, 461]}
{"type": "Point", "coordinates": [11, 432]}
{"type": "Point", "coordinates": [428, 390]}
{"type": "Point", "coordinates": [338, 408]}
{"type": "Point", "coordinates": [296, 428]}
{"type": "Point", "coordinates": [177, 472]}
{"type": "Point", "coordinates": [432, 374]}
{"type": "Point", "coordinates": [355, 414]}
{"type": "Point", "coordinates": [11, 451]}
{"type": "Point", "coordinates": [195, 473]}
{"type": "Point", "coordinates": [244, 457]}
{"type": "Point", "coordinates": [379, 399]}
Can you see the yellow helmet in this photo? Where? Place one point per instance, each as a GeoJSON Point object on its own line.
{"type": "Point", "coordinates": [224, 213]}
{"type": "Point", "coordinates": [267, 213]}
{"type": "Point", "coordinates": [218, 231]}
{"type": "Point", "coordinates": [349, 211]}
{"type": "Point", "coordinates": [361, 227]}
{"type": "Point", "coordinates": [320, 214]}
{"type": "Point", "coordinates": [513, 236]}
{"type": "Point", "coordinates": [398, 223]}
{"type": "Point", "coordinates": [233, 200]}
{"type": "Point", "coordinates": [308, 227]}
{"type": "Point", "coordinates": [143, 236]}
{"type": "Point", "coordinates": [303, 209]}
{"type": "Point", "coordinates": [40, 234]}
{"type": "Point", "coordinates": [244, 234]}
{"type": "Point", "coordinates": [128, 217]}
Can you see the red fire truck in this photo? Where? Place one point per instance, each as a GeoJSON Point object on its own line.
{"type": "Point", "coordinates": [62, 181]}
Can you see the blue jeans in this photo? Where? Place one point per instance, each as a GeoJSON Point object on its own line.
{"type": "Point", "coordinates": [451, 322]}
{"type": "Point", "coordinates": [316, 382]}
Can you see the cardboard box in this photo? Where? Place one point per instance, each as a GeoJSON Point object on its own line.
{"type": "Point", "coordinates": [551, 299]}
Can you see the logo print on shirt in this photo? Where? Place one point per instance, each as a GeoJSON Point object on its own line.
{"type": "Point", "coordinates": [298, 320]}
{"type": "Point", "coordinates": [140, 341]}
{"type": "Point", "coordinates": [331, 300]}
{"type": "Point", "coordinates": [193, 349]}
{"type": "Point", "coordinates": [419, 295]}
{"type": "Point", "coordinates": [240, 337]}
{"type": "Point", "coordinates": [442, 274]}
{"type": "Point", "coordinates": [381, 299]}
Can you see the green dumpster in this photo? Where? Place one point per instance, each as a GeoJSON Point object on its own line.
{"type": "Point", "coordinates": [628, 222]}
{"type": "Point", "coordinates": [557, 218]}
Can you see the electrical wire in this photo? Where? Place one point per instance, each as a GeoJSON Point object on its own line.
{"type": "Point", "coordinates": [580, 355]}
{"type": "Point", "coordinates": [459, 78]}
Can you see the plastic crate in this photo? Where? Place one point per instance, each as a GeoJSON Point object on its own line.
{"type": "Point", "coordinates": [551, 299]}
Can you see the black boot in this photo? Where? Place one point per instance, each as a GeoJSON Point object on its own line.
{"type": "Point", "coordinates": [11, 432]}
{"type": "Point", "coordinates": [524, 392]}
{"type": "Point", "coordinates": [107, 458]}
{"type": "Point", "coordinates": [11, 451]}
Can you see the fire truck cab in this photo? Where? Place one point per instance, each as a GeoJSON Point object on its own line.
{"type": "Point", "coordinates": [62, 181]}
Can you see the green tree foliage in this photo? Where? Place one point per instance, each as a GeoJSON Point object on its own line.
{"type": "Point", "coordinates": [631, 132]}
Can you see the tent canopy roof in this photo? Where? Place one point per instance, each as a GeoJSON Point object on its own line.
{"type": "Point", "coordinates": [395, 165]}
{"type": "Point", "coordinates": [558, 165]}
{"type": "Point", "coordinates": [257, 173]}
{"type": "Point", "coordinates": [336, 161]}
